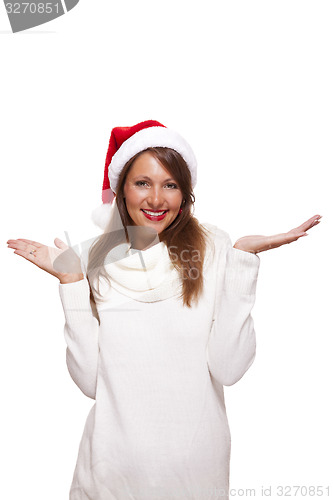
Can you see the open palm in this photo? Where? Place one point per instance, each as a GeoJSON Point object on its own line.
{"type": "Point", "coordinates": [257, 243]}
{"type": "Point", "coordinates": [60, 262]}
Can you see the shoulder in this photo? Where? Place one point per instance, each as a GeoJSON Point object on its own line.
{"type": "Point", "coordinates": [216, 235]}
{"type": "Point", "coordinates": [218, 241]}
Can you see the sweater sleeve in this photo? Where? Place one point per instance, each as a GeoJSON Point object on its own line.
{"type": "Point", "coordinates": [231, 346]}
{"type": "Point", "coordinates": [81, 334]}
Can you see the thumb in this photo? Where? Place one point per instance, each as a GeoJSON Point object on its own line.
{"type": "Point", "coordinates": [60, 244]}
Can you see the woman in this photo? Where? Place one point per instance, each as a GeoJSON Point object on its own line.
{"type": "Point", "coordinates": [158, 320]}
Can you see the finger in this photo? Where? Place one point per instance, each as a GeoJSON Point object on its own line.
{"type": "Point", "coordinates": [26, 255]}
{"type": "Point", "coordinates": [60, 244]}
{"type": "Point", "coordinates": [315, 223]}
{"type": "Point", "coordinates": [307, 224]}
{"type": "Point", "coordinates": [18, 245]}
{"type": "Point", "coordinates": [30, 242]}
{"type": "Point", "coordinates": [316, 216]}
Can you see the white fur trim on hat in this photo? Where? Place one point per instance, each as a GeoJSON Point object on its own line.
{"type": "Point", "coordinates": [151, 137]}
{"type": "Point", "coordinates": [101, 215]}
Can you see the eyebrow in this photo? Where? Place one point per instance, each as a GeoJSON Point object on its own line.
{"type": "Point", "coordinates": [149, 179]}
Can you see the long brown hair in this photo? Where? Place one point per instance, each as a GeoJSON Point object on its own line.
{"type": "Point", "coordinates": [184, 236]}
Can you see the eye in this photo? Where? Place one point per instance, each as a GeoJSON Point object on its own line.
{"type": "Point", "coordinates": [171, 185]}
{"type": "Point", "coordinates": [140, 183]}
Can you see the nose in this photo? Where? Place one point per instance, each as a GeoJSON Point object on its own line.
{"type": "Point", "coordinates": [156, 198]}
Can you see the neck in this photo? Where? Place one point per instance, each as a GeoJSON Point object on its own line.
{"type": "Point", "coordinates": [142, 238]}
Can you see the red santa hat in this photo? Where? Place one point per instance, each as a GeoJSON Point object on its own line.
{"type": "Point", "coordinates": [125, 142]}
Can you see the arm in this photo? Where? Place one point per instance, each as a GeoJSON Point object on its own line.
{"type": "Point", "coordinates": [232, 345]}
{"type": "Point", "coordinates": [82, 324]}
{"type": "Point", "coordinates": [81, 334]}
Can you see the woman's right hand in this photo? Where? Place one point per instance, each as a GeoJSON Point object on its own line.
{"type": "Point", "coordinates": [61, 262]}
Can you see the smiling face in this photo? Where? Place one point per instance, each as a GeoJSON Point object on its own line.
{"type": "Point", "coordinates": [153, 198]}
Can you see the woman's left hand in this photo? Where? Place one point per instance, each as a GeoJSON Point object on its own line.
{"type": "Point", "coordinates": [256, 244]}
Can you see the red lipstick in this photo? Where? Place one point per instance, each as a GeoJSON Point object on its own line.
{"type": "Point", "coordinates": [154, 217]}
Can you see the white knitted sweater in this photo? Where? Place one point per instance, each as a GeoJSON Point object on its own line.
{"type": "Point", "coordinates": [156, 370]}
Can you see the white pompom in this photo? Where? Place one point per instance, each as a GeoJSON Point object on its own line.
{"type": "Point", "coordinates": [101, 215]}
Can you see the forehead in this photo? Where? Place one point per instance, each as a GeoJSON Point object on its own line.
{"type": "Point", "coordinates": [147, 164]}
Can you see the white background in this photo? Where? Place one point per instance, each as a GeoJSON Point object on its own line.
{"type": "Point", "coordinates": [249, 85]}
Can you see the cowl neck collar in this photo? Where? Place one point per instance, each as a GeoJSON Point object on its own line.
{"type": "Point", "coordinates": [144, 275]}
